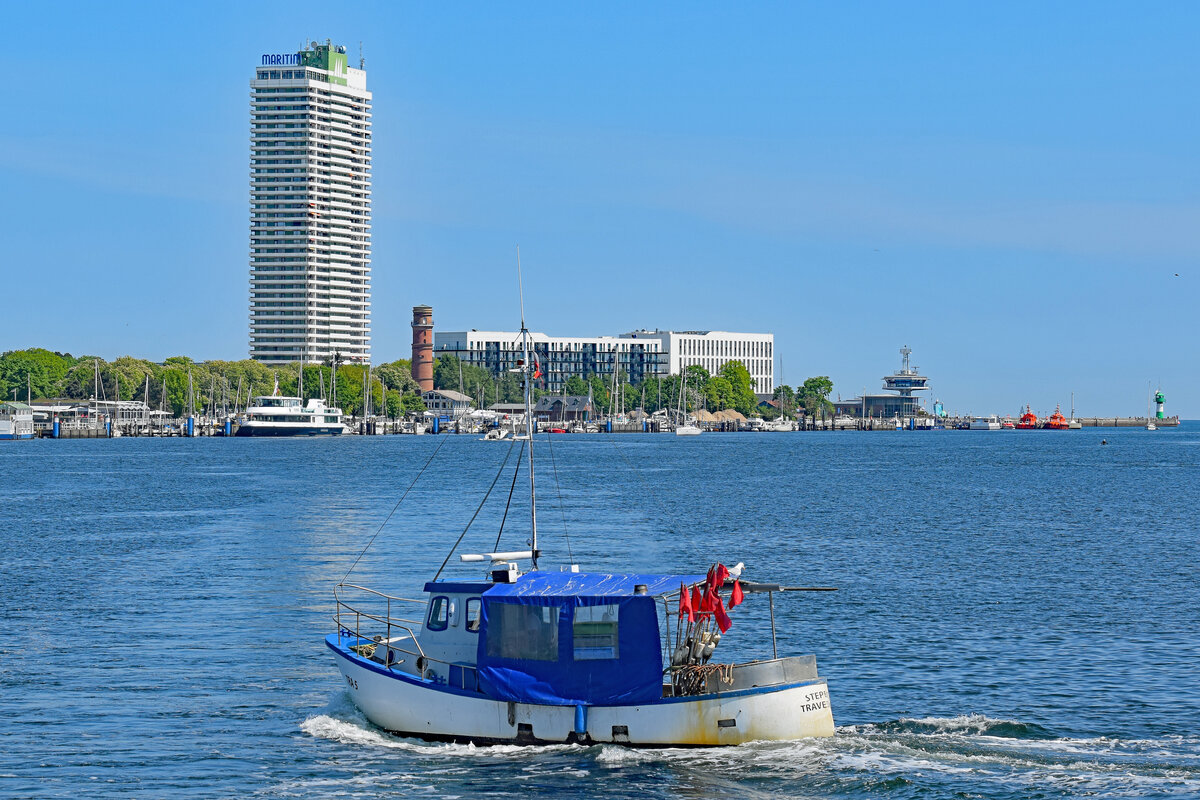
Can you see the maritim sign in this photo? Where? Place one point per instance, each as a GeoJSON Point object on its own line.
{"type": "Point", "coordinates": [281, 60]}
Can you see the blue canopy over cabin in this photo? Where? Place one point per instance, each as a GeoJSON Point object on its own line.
{"type": "Point", "coordinates": [570, 638]}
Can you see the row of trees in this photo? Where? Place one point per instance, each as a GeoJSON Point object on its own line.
{"type": "Point", "coordinates": [227, 384]}
{"type": "Point", "coordinates": [215, 384]}
{"type": "Point", "coordinates": [731, 387]}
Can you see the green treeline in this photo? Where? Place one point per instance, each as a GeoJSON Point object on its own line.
{"type": "Point", "coordinates": [215, 384]}
{"type": "Point", "coordinates": [730, 387]}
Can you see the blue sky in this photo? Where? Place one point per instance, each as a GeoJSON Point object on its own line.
{"type": "Point", "coordinates": [1008, 190]}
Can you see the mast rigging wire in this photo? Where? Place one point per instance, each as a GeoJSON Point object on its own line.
{"type": "Point", "coordinates": [393, 511]}
{"type": "Point", "coordinates": [511, 490]}
{"type": "Point", "coordinates": [558, 491]}
{"type": "Point", "coordinates": [471, 521]}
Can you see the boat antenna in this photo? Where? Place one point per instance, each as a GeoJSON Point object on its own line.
{"type": "Point", "coordinates": [528, 380]}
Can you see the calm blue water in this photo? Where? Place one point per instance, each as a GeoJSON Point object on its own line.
{"type": "Point", "coordinates": [1017, 615]}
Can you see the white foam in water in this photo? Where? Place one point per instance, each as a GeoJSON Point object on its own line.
{"type": "Point", "coordinates": [360, 732]}
{"type": "Point", "coordinates": [962, 744]}
{"type": "Point", "coordinates": [954, 747]}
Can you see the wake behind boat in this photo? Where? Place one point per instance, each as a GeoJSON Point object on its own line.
{"type": "Point", "coordinates": [541, 656]}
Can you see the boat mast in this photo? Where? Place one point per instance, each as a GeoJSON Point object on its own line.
{"type": "Point", "coordinates": [528, 379]}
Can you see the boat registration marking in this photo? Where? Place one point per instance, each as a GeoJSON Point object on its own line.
{"type": "Point", "coordinates": [816, 701]}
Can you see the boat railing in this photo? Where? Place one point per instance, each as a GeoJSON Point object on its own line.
{"type": "Point", "coordinates": [375, 607]}
{"type": "Point", "coordinates": [716, 678]}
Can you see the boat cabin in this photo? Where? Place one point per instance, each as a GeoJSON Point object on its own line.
{"type": "Point", "coordinates": [557, 638]}
{"type": "Point", "coordinates": [269, 401]}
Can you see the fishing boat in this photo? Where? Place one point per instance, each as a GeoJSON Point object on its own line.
{"type": "Point", "coordinates": [1028, 421]}
{"type": "Point", "coordinates": [275, 415]}
{"type": "Point", "coordinates": [541, 656]}
{"type": "Point", "coordinates": [1057, 422]}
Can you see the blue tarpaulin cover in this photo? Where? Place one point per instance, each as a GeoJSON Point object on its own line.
{"type": "Point", "coordinates": [527, 649]}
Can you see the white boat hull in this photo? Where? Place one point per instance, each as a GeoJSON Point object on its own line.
{"type": "Point", "coordinates": [254, 428]}
{"type": "Point", "coordinates": [408, 706]}
{"type": "Point", "coordinates": [687, 430]}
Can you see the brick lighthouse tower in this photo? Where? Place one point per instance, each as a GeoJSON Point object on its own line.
{"type": "Point", "coordinates": [422, 347]}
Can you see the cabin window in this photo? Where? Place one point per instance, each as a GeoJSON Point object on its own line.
{"type": "Point", "coordinates": [473, 606]}
{"type": "Point", "coordinates": [439, 614]}
{"type": "Point", "coordinates": [594, 631]}
{"type": "Point", "coordinates": [524, 632]}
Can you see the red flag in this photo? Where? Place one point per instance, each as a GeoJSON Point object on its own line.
{"type": "Point", "coordinates": [723, 620]}
{"type": "Point", "coordinates": [697, 600]}
{"type": "Point", "coordinates": [537, 370]}
{"type": "Point", "coordinates": [717, 576]}
{"type": "Point", "coordinates": [710, 600]}
{"type": "Point", "coordinates": [685, 604]}
{"type": "Point", "coordinates": [735, 598]}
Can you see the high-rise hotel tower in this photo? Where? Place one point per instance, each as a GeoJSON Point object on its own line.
{"type": "Point", "coordinates": [310, 208]}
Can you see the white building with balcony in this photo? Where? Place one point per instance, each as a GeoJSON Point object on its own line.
{"type": "Point", "coordinates": [714, 349]}
{"type": "Point", "coordinates": [310, 208]}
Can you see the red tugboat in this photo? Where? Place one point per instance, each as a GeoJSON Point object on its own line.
{"type": "Point", "coordinates": [1028, 420]}
{"type": "Point", "coordinates": [1057, 421]}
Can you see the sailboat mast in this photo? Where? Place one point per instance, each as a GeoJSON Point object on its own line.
{"type": "Point", "coordinates": [528, 376]}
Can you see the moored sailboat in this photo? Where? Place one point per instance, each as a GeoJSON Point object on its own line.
{"type": "Point", "coordinates": [686, 427]}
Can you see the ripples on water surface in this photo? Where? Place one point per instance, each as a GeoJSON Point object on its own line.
{"type": "Point", "coordinates": [1017, 611]}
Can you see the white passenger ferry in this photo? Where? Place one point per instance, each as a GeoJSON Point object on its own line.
{"type": "Point", "coordinates": [274, 415]}
{"type": "Point", "coordinates": [16, 421]}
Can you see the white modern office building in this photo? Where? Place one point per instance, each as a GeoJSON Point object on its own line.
{"type": "Point", "coordinates": [639, 354]}
{"type": "Point", "coordinates": [714, 349]}
{"type": "Point", "coordinates": [310, 208]}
